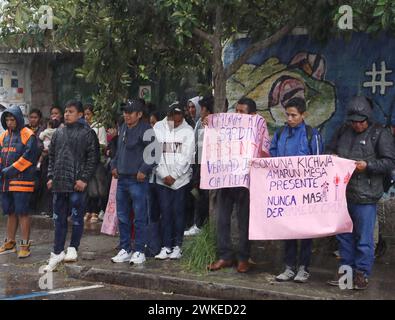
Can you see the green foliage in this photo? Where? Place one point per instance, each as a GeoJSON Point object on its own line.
{"type": "Point", "coordinates": [372, 16]}
{"type": "Point", "coordinates": [200, 250]}
{"type": "Point", "coordinates": [128, 41]}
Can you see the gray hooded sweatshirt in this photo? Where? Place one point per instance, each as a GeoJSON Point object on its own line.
{"type": "Point", "coordinates": [195, 101]}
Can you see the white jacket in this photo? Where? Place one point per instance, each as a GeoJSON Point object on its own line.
{"type": "Point", "coordinates": [178, 151]}
{"type": "Point", "coordinates": [101, 133]}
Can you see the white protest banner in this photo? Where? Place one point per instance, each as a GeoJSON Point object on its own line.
{"type": "Point", "coordinates": [231, 140]}
{"type": "Point", "coordinates": [299, 197]}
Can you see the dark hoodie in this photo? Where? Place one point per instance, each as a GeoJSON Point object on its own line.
{"type": "Point", "coordinates": [129, 158]}
{"type": "Point", "coordinates": [18, 154]}
{"type": "Point", "coordinates": [360, 107]}
{"type": "Point", "coordinates": [375, 146]}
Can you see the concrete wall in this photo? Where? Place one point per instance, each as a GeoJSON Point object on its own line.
{"type": "Point", "coordinates": [41, 73]}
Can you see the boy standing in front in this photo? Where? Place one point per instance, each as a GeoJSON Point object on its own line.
{"type": "Point", "coordinates": [296, 138]}
{"type": "Point", "coordinates": [73, 157]}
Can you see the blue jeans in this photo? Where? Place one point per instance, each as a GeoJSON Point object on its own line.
{"type": "Point", "coordinates": [172, 220]}
{"type": "Point", "coordinates": [131, 192]}
{"type": "Point", "coordinates": [356, 249]}
{"type": "Point", "coordinates": [291, 251]}
{"type": "Point", "coordinates": [15, 202]}
{"type": "Point", "coordinates": [65, 203]}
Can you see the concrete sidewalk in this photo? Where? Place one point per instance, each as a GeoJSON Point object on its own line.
{"type": "Point", "coordinates": [169, 276]}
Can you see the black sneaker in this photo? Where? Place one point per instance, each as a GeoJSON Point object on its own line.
{"type": "Point", "coordinates": [360, 281]}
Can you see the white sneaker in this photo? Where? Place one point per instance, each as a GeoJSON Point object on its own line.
{"type": "Point", "coordinates": [302, 275]}
{"type": "Point", "coordinates": [71, 255]}
{"type": "Point", "coordinates": [122, 256]}
{"type": "Point", "coordinates": [177, 253]}
{"type": "Point", "coordinates": [101, 215]}
{"type": "Point", "coordinates": [336, 254]}
{"type": "Point", "coordinates": [287, 275]}
{"type": "Point", "coordinates": [163, 254]}
{"type": "Point", "coordinates": [192, 231]}
{"type": "Point", "coordinates": [54, 261]}
{"type": "Point", "coordinates": [137, 258]}
{"type": "Point", "coordinates": [188, 232]}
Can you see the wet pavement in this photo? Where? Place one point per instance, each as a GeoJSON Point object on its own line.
{"type": "Point", "coordinates": [20, 279]}
{"type": "Point", "coordinates": [23, 284]}
{"type": "Point", "coordinates": [169, 280]}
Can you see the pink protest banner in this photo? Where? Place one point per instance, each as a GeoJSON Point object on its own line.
{"type": "Point", "coordinates": [299, 197]}
{"type": "Point", "coordinates": [110, 220]}
{"type": "Point", "coordinates": [231, 140]}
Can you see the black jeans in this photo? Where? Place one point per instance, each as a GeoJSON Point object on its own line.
{"type": "Point", "coordinates": [201, 208]}
{"type": "Point", "coordinates": [93, 205]}
{"type": "Point", "coordinates": [190, 207]}
{"type": "Point", "coordinates": [291, 251]}
{"type": "Point", "coordinates": [153, 203]}
{"type": "Point", "coordinates": [226, 199]}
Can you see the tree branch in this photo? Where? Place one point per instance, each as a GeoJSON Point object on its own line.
{"type": "Point", "coordinates": [218, 23]}
{"type": "Point", "coordinates": [204, 35]}
{"type": "Point", "coordinates": [256, 47]}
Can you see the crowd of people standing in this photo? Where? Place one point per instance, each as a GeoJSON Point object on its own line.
{"type": "Point", "coordinates": [75, 158]}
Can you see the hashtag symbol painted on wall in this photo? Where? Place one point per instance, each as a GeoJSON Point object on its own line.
{"type": "Point", "coordinates": [378, 79]}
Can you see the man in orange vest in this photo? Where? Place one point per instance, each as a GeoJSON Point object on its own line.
{"type": "Point", "coordinates": [18, 158]}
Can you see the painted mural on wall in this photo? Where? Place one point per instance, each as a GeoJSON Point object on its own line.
{"type": "Point", "coordinates": [327, 76]}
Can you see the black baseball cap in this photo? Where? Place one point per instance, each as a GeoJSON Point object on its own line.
{"type": "Point", "coordinates": [133, 105]}
{"type": "Point", "coordinates": [356, 117]}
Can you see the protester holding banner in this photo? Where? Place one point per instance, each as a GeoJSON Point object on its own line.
{"type": "Point", "coordinates": [296, 138]}
{"type": "Point", "coordinates": [372, 147]}
{"type": "Point", "coordinates": [132, 171]}
{"type": "Point", "coordinates": [227, 198]}
{"type": "Point", "coordinates": [173, 175]}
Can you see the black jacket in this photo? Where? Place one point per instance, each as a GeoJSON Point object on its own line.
{"type": "Point", "coordinates": [73, 155]}
{"type": "Point", "coordinates": [375, 146]}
